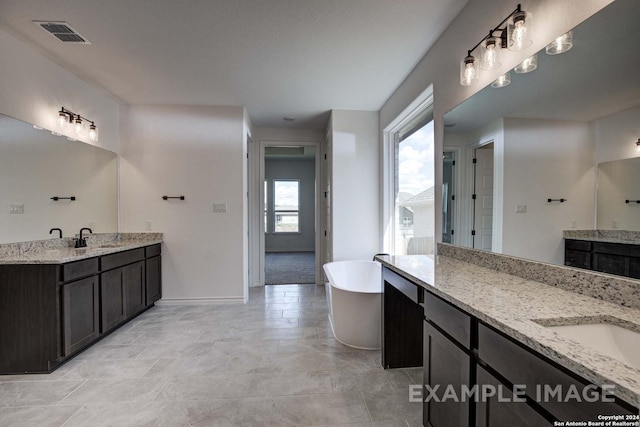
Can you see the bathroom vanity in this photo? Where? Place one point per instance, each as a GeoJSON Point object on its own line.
{"type": "Point", "coordinates": [56, 302]}
{"type": "Point", "coordinates": [608, 251]}
{"type": "Point", "coordinates": [483, 327]}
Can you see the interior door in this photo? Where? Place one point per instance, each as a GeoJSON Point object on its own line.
{"type": "Point", "coordinates": [483, 202]}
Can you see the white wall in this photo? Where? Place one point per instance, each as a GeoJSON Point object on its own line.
{"type": "Point", "coordinates": [198, 152]}
{"type": "Point", "coordinates": [440, 66]}
{"type": "Point", "coordinates": [305, 172]}
{"type": "Point", "coordinates": [355, 184]}
{"type": "Point", "coordinates": [546, 159]}
{"type": "Point", "coordinates": [33, 89]}
{"type": "Point", "coordinates": [616, 136]}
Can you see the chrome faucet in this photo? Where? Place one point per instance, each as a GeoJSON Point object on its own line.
{"type": "Point", "coordinates": [81, 242]}
{"type": "Point", "coordinates": [56, 229]}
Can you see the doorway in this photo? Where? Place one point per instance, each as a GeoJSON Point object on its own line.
{"type": "Point", "coordinates": [289, 214]}
{"type": "Point", "coordinates": [483, 197]}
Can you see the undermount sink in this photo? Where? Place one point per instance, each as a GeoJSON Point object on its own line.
{"type": "Point", "coordinates": [608, 339]}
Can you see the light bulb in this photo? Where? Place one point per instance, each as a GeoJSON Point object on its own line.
{"type": "Point", "coordinates": [528, 65]}
{"type": "Point", "coordinates": [62, 119]}
{"type": "Point", "coordinates": [490, 53]}
{"type": "Point", "coordinates": [502, 81]}
{"type": "Point", "coordinates": [468, 71]}
{"type": "Point", "coordinates": [561, 44]}
{"type": "Point", "coordinates": [93, 132]}
{"type": "Point", "coordinates": [78, 126]}
{"type": "Point", "coordinates": [518, 31]}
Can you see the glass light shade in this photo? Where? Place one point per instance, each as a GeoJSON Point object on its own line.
{"type": "Point", "coordinates": [519, 31]}
{"type": "Point", "coordinates": [490, 53]}
{"type": "Point", "coordinates": [561, 44]}
{"type": "Point", "coordinates": [62, 119]}
{"type": "Point", "coordinates": [468, 71]}
{"type": "Point", "coordinates": [528, 65]}
{"type": "Point", "coordinates": [502, 81]}
{"type": "Point", "coordinates": [638, 145]}
{"type": "Point", "coordinates": [93, 133]}
{"type": "Point", "coordinates": [78, 126]}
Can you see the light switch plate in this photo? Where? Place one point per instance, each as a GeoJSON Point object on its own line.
{"type": "Point", "coordinates": [521, 208]}
{"type": "Point", "coordinates": [219, 207]}
{"type": "Point", "coordinates": [16, 209]}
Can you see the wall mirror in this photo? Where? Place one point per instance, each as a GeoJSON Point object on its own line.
{"type": "Point", "coordinates": [543, 137]}
{"type": "Point", "coordinates": [36, 166]}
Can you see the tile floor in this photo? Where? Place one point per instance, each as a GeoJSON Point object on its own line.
{"type": "Point", "coordinates": [272, 362]}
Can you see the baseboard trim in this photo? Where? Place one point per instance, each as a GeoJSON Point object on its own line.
{"type": "Point", "coordinates": [200, 301]}
{"type": "Point", "coordinates": [275, 251]}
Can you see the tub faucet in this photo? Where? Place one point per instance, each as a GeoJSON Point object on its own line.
{"type": "Point", "coordinates": [374, 257]}
{"type": "Point", "coordinates": [56, 229]}
{"type": "Point", "coordinates": [82, 242]}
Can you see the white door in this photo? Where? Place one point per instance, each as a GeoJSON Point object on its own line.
{"type": "Point", "coordinates": [483, 211]}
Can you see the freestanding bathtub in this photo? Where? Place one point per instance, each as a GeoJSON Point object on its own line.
{"type": "Point", "coordinates": [355, 306]}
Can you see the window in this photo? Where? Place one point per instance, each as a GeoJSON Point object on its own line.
{"type": "Point", "coordinates": [286, 202]}
{"type": "Point", "coordinates": [413, 210]}
{"type": "Point", "coordinates": [266, 207]}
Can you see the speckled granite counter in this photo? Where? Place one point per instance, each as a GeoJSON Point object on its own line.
{"type": "Point", "coordinates": [513, 304]}
{"type": "Point", "coordinates": [608, 236]}
{"type": "Point", "coordinates": [59, 251]}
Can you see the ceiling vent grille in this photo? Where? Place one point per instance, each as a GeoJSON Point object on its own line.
{"type": "Point", "coordinates": [62, 31]}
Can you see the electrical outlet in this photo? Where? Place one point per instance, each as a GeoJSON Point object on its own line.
{"type": "Point", "coordinates": [16, 209]}
{"type": "Point", "coordinates": [574, 223]}
{"type": "Point", "coordinates": [521, 208]}
{"type": "Point", "coordinates": [148, 225]}
{"type": "Point", "coordinates": [91, 224]}
{"type": "Point", "coordinates": [614, 223]}
{"type": "Point", "coordinates": [219, 207]}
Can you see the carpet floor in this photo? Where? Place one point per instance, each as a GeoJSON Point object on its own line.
{"type": "Point", "coordinates": [289, 268]}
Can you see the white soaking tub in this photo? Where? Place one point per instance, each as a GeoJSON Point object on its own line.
{"type": "Point", "coordinates": [355, 305]}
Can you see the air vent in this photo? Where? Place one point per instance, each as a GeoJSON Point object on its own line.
{"type": "Point", "coordinates": [62, 31]}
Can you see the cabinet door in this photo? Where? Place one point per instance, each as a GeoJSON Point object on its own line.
{"type": "Point", "coordinates": [134, 288]}
{"type": "Point", "coordinates": [112, 299]}
{"type": "Point", "coordinates": [499, 412]}
{"type": "Point", "coordinates": [578, 259]}
{"type": "Point", "coordinates": [612, 264]}
{"type": "Point", "coordinates": [80, 314]}
{"type": "Point", "coordinates": [445, 365]}
{"type": "Point", "coordinates": [154, 280]}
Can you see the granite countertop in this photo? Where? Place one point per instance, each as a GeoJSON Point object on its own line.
{"type": "Point", "coordinates": [514, 305]}
{"type": "Point", "coordinates": [59, 251]}
{"type": "Point", "coordinates": [606, 236]}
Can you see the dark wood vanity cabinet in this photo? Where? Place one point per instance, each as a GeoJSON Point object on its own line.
{"type": "Point", "coordinates": [401, 322]}
{"type": "Point", "coordinates": [80, 314]}
{"type": "Point", "coordinates": [461, 352]}
{"type": "Point", "coordinates": [49, 312]}
{"type": "Point", "coordinates": [613, 258]}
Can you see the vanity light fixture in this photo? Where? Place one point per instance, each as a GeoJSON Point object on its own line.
{"type": "Point", "coordinates": [502, 81]}
{"type": "Point", "coordinates": [514, 33]}
{"type": "Point", "coordinates": [528, 65]}
{"type": "Point", "coordinates": [561, 44]}
{"type": "Point", "coordinates": [638, 145]}
{"type": "Point", "coordinates": [67, 118]}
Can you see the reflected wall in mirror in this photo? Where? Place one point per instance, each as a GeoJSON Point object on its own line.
{"type": "Point", "coordinates": [36, 166]}
{"type": "Point", "coordinates": [618, 195]}
{"type": "Point", "coordinates": [548, 131]}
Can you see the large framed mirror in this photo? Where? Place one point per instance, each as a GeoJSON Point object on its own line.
{"type": "Point", "coordinates": [549, 148]}
{"type": "Point", "coordinates": [37, 166]}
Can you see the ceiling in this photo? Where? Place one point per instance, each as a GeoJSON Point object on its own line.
{"type": "Point", "coordinates": [596, 78]}
{"type": "Point", "coordinates": [297, 58]}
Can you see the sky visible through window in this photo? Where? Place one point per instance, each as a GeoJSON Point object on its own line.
{"type": "Point", "coordinates": [415, 162]}
{"type": "Point", "coordinates": [286, 195]}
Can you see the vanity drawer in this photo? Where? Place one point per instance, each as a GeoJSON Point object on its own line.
{"type": "Point", "coordinates": [453, 321]}
{"type": "Point", "coordinates": [121, 258]}
{"type": "Point", "coordinates": [519, 365]}
{"type": "Point", "coordinates": [411, 290]}
{"type": "Point", "coordinates": [152, 250]}
{"type": "Point", "coordinates": [617, 249]}
{"type": "Point", "coordinates": [78, 269]}
{"type": "Point", "coordinates": [577, 245]}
